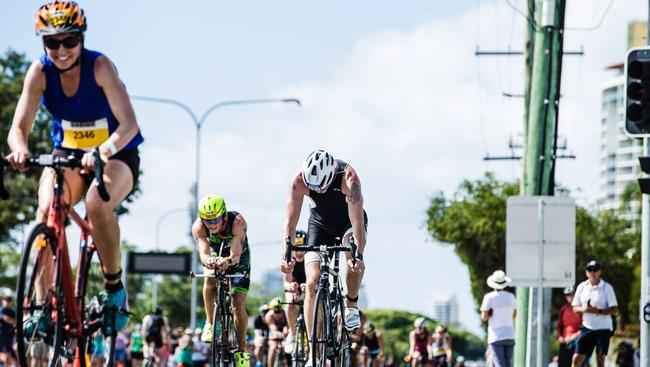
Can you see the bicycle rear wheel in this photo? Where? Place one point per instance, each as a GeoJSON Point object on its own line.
{"type": "Point", "coordinates": [34, 306]}
{"type": "Point", "coordinates": [300, 349]}
{"type": "Point", "coordinates": [320, 329]}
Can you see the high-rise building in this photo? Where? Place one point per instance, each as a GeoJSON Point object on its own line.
{"type": "Point", "coordinates": [272, 283]}
{"type": "Point", "coordinates": [619, 165]}
{"type": "Point", "coordinates": [445, 308]}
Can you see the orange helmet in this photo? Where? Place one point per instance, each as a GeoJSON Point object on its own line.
{"type": "Point", "coordinates": [60, 17]}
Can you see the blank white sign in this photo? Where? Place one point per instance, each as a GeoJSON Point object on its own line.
{"type": "Point", "coordinates": [559, 241]}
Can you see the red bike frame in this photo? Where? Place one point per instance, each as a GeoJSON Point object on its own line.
{"type": "Point", "coordinates": [73, 296]}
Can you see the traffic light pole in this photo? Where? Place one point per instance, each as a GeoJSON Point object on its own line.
{"type": "Point", "coordinates": [645, 270]}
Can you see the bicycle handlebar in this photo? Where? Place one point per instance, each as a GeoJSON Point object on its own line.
{"type": "Point", "coordinates": [352, 248]}
{"type": "Point", "coordinates": [71, 161]}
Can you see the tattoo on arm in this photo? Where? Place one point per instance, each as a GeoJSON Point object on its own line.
{"type": "Point", "coordinates": [355, 193]}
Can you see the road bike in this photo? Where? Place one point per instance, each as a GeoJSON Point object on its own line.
{"type": "Point", "coordinates": [329, 337]}
{"type": "Point", "coordinates": [300, 352]}
{"type": "Point", "coordinates": [224, 341]}
{"type": "Point", "coordinates": [51, 306]}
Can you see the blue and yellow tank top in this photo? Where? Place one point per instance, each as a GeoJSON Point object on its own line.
{"type": "Point", "coordinates": [85, 120]}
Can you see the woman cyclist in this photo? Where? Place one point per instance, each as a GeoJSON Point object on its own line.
{"type": "Point", "coordinates": [90, 109]}
{"type": "Point", "coordinates": [441, 347]}
{"type": "Point", "coordinates": [420, 341]}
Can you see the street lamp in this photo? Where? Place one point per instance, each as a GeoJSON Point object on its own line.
{"type": "Point", "coordinates": [198, 123]}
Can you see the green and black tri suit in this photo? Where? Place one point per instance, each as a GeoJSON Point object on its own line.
{"type": "Point", "coordinates": [221, 242]}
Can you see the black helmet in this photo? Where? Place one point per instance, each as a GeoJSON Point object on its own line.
{"type": "Point", "coordinates": [156, 311]}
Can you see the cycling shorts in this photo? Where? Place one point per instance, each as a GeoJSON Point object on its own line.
{"type": "Point", "coordinates": [130, 157]}
{"type": "Point", "coordinates": [319, 235]}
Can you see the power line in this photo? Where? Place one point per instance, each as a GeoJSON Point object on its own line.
{"type": "Point", "coordinates": [593, 28]}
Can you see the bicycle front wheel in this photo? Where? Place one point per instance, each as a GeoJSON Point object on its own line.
{"type": "Point", "coordinates": [34, 295]}
{"type": "Point", "coordinates": [343, 357]}
{"type": "Point", "coordinates": [320, 330]}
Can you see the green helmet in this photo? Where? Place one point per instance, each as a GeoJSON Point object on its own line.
{"type": "Point", "coordinates": [276, 303]}
{"type": "Point", "coordinates": [211, 207]}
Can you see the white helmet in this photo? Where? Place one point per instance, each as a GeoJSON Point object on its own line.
{"type": "Point", "coordinates": [421, 322]}
{"type": "Point", "coordinates": [319, 170]}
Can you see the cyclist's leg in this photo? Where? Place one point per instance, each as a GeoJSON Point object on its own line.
{"type": "Point", "coordinates": [119, 181]}
{"type": "Point", "coordinates": [312, 272]}
{"type": "Point", "coordinates": [353, 283]}
{"type": "Point", "coordinates": [291, 311]}
{"type": "Point", "coordinates": [105, 229]}
{"type": "Point", "coordinates": [273, 346]}
{"type": "Point", "coordinates": [316, 235]}
{"type": "Point", "coordinates": [209, 289]}
{"type": "Point", "coordinates": [258, 342]}
{"type": "Point", "coordinates": [352, 279]}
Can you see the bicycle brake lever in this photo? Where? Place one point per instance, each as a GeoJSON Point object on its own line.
{"type": "Point", "coordinates": [99, 175]}
{"type": "Point", "coordinates": [287, 252]}
{"type": "Point", "coordinates": [353, 250]}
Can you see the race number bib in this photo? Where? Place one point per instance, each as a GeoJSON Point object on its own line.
{"type": "Point", "coordinates": [84, 135]}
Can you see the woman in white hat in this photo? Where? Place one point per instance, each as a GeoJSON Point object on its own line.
{"type": "Point", "coordinates": [499, 309]}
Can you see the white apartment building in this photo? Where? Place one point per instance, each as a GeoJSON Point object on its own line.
{"type": "Point", "coordinates": [619, 153]}
{"type": "Point", "coordinates": [445, 308]}
{"type": "Point", "coordinates": [619, 165]}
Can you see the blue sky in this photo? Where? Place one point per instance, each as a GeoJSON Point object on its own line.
{"type": "Point", "coordinates": [391, 87]}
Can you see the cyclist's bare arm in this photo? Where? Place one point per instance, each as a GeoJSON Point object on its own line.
{"type": "Point", "coordinates": [239, 229]}
{"type": "Point", "coordinates": [411, 342]}
{"type": "Point", "coordinates": [108, 79]}
{"type": "Point", "coordinates": [380, 341]}
{"type": "Point", "coordinates": [430, 345]}
{"type": "Point", "coordinates": [289, 284]}
{"type": "Point", "coordinates": [351, 188]}
{"type": "Point", "coordinates": [21, 126]}
{"type": "Point", "coordinates": [449, 347]}
{"type": "Point", "coordinates": [294, 204]}
{"type": "Point", "coordinates": [201, 238]}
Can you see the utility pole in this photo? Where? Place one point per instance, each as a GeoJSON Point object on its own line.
{"type": "Point", "coordinates": [546, 25]}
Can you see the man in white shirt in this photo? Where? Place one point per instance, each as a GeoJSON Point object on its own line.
{"type": "Point", "coordinates": [596, 301]}
{"type": "Point", "coordinates": [499, 309]}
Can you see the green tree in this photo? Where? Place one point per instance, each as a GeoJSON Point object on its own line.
{"type": "Point", "coordinates": [474, 222]}
{"type": "Point", "coordinates": [20, 208]}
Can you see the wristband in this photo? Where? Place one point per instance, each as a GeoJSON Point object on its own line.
{"type": "Point", "coordinates": [359, 256]}
{"type": "Point", "coordinates": [111, 146]}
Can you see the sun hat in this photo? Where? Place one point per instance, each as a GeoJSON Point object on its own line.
{"type": "Point", "coordinates": [498, 280]}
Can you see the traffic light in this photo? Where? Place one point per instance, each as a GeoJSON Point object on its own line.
{"type": "Point", "coordinates": [637, 92]}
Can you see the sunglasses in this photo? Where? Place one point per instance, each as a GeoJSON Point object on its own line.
{"type": "Point", "coordinates": [593, 270]}
{"type": "Point", "coordinates": [68, 42]}
{"type": "Point", "coordinates": [213, 221]}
